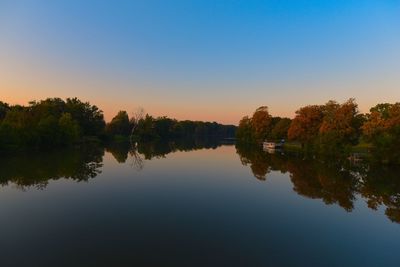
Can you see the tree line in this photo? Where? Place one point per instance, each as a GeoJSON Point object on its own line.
{"type": "Point", "coordinates": [55, 122]}
{"type": "Point", "coordinates": [330, 129]}
{"type": "Point", "coordinates": [149, 128]}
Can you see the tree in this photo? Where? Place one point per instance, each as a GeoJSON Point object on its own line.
{"type": "Point", "coordinates": [136, 117]}
{"type": "Point", "coordinates": [163, 127]}
{"type": "Point", "coordinates": [89, 117]}
{"type": "Point", "coordinates": [119, 125]}
{"type": "Point", "coordinates": [382, 129]}
{"type": "Point", "coordinates": [70, 130]}
{"type": "Point", "coordinates": [4, 108]}
{"type": "Point", "coordinates": [305, 126]}
{"type": "Point", "coordinates": [244, 132]}
{"type": "Point", "coordinates": [280, 129]}
{"type": "Point", "coordinates": [340, 127]}
{"type": "Point", "coordinates": [47, 123]}
{"type": "Point", "coordinates": [261, 123]}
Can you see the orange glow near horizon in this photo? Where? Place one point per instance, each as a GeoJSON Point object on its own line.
{"type": "Point", "coordinates": [221, 114]}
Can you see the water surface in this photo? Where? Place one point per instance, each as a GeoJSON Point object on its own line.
{"type": "Point", "coordinates": [172, 204]}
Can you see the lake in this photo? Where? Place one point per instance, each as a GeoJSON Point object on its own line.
{"type": "Point", "coordinates": [195, 204]}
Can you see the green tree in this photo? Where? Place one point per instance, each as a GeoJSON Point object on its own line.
{"type": "Point", "coordinates": [4, 108]}
{"type": "Point", "coordinates": [89, 117]}
{"type": "Point", "coordinates": [69, 128]}
{"type": "Point", "coordinates": [48, 131]}
{"type": "Point", "coordinates": [119, 125]}
{"type": "Point", "coordinates": [382, 129]}
{"type": "Point", "coordinates": [244, 132]}
{"type": "Point", "coordinates": [280, 128]}
{"type": "Point", "coordinates": [48, 123]}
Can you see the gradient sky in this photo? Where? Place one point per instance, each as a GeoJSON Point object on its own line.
{"type": "Point", "coordinates": [203, 60]}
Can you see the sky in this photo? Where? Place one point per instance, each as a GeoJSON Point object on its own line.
{"type": "Point", "coordinates": [201, 59]}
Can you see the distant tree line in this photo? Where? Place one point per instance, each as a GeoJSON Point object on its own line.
{"type": "Point", "coordinates": [330, 129]}
{"type": "Point", "coordinates": [149, 128]}
{"type": "Point", "coordinates": [54, 122]}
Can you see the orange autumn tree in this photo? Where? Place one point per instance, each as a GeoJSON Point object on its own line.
{"type": "Point", "coordinates": [262, 126]}
{"type": "Point", "coordinates": [340, 127]}
{"type": "Point", "coordinates": [327, 128]}
{"type": "Point", "coordinates": [305, 126]}
{"type": "Point", "coordinates": [261, 123]}
{"type": "Point", "coordinates": [344, 119]}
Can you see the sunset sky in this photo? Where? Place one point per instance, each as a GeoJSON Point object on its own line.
{"type": "Point", "coordinates": [201, 60]}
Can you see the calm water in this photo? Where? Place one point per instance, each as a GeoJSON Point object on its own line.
{"type": "Point", "coordinates": [173, 205]}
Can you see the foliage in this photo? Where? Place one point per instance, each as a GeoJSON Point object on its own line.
{"type": "Point", "coordinates": [333, 182]}
{"type": "Point", "coordinates": [261, 123]}
{"type": "Point", "coordinates": [70, 130]}
{"type": "Point", "coordinates": [4, 108]}
{"type": "Point", "coordinates": [262, 126]}
{"type": "Point", "coordinates": [305, 126]}
{"type": "Point", "coordinates": [382, 129]}
{"type": "Point", "coordinates": [89, 117]}
{"type": "Point", "coordinates": [340, 127]}
{"type": "Point", "coordinates": [280, 129]}
{"type": "Point", "coordinates": [330, 130]}
{"type": "Point", "coordinates": [36, 169]}
{"type": "Point", "coordinates": [119, 125]}
{"type": "Point", "coordinates": [244, 132]}
{"type": "Point", "coordinates": [150, 128]}
{"type": "Point", "coordinates": [48, 123]}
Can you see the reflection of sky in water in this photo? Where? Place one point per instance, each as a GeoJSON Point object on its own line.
{"type": "Point", "coordinates": [202, 207]}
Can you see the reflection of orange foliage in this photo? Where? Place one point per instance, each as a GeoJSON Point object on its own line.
{"type": "Point", "coordinates": [393, 214]}
{"type": "Point", "coordinates": [334, 184]}
{"type": "Point", "coordinates": [327, 184]}
{"type": "Point", "coordinates": [260, 171]}
{"type": "Point", "coordinates": [382, 187]}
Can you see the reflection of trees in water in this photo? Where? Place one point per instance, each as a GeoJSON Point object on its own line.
{"type": "Point", "coordinates": [139, 152]}
{"type": "Point", "coordinates": [161, 148]}
{"type": "Point", "coordinates": [137, 161]}
{"type": "Point", "coordinates": [119, 150]}
{"type": "Point", "coordinates": [333, 182]}
{"type": "Point", "coordinates": [315, 180]}
{"type": "Point", "coordinates": [381, 186]}
{"type": "Point", "coordinates": [260, 163]}
{"type": "Point", "coordinates": [36, 169]}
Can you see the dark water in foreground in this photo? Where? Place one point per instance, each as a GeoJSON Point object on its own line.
{"type": "Point", "coordinates": [168, 205]}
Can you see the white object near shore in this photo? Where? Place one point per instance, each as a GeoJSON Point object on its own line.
{"type": "Point", "coordinates": [272, 145]}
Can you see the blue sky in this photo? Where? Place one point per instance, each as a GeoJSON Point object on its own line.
{"type": "Point", "coordinates": [208, 60]}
